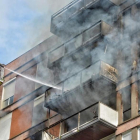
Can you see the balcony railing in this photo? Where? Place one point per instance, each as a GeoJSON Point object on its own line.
{"type": "Point", "coordinates": [72, 12]}
{"type": "Point", "coordinates": [87, 83]}
{"type": "Point", "coordinates": [97, 115]}
{"type": "Point", "coordinates": [86, 124]}
{"type": "Point", "coordinates": [99, 29]}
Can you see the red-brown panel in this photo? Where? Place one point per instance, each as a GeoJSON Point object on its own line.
{"type": "Point", "coordinates": [24, 86]}
{"type": "Point", "coordinates": [21, 119]}
{"type": "Point", "coordinates": [54, 130]}
{"type": "Point", "coordinates": [128, 125]}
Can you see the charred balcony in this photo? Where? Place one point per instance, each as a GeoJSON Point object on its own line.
{"type": "Point", "coordinates": [94, 122]}
{"type": "Point", "coordinates": [80, 52]}
{"type": "Point", "coordinates": [80, 15]}
{"type": "Point", "coordinates": [93, 84]}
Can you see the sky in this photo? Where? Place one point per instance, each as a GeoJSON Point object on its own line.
{"type": "Point", "coordinates": [24, 24]}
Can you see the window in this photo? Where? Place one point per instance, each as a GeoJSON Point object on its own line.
{"type": "Point", "coordinates": [39, 111]}
{"type": "Point", "coordinates": [8, 101]}
{"type": "Point", "coordinates": [127, 136]}
{"type": "Point", "coordinates": [8, 93]}
{"type": "Point", "coordinates": [5, 125]}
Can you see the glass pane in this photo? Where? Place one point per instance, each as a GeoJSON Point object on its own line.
{"type": "Point", "coordinates": [127, 115]}
{"type": "Point", "coordinates": [5, 103]}
{"type": "Point", "coordinates": [74, 8]}
{"type": "Point", "coordinates": [44, 74]}
{"type": "Point", "coordinates": [9, 89]}
{"type": "Point", "coordinates": [72, 82]}
{"type": "Point", "coordinates": [70, 124]}
{"type": "Point", "coordinates": [56, 54]}
{"type": "Point", "coordinates": [88, 73]}
{"type": "Point", "coordinates": [89, 114]}
{"type": "Point", "coordinates": [70, 46]}
{"type": "Point", "coordinates": [79, 41]}
{"type": "Point", "coordinates": [11, 100]}
{"type": "Point", "coordinates": [39, 111]}
{"type": "Point", "coordinates": [91, 33]}
{"type": "Point", "coordinates": [127, 136]}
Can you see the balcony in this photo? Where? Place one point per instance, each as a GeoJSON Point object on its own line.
{"type": "Point", "coordinates": [95, 122]}
{"type": "Point", "coordinates": [80, 15]}
{"type": "Point", "coordinates": [76, 54]}
{"type": "Point", "coordinates": [93, 84]}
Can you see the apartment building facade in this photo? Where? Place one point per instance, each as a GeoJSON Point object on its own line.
{"type": "Point", "coordinates": [80, 84]}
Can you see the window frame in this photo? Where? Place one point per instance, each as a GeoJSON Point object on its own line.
{"type": "Point", "coordinates": [3, 92]}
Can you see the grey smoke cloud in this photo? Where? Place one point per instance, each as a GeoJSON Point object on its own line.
{"type": "Point", "coordinates": [112, 42]}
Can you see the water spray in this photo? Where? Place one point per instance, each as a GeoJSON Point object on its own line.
{"type": "Point", "coordinates": [31, 79]}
